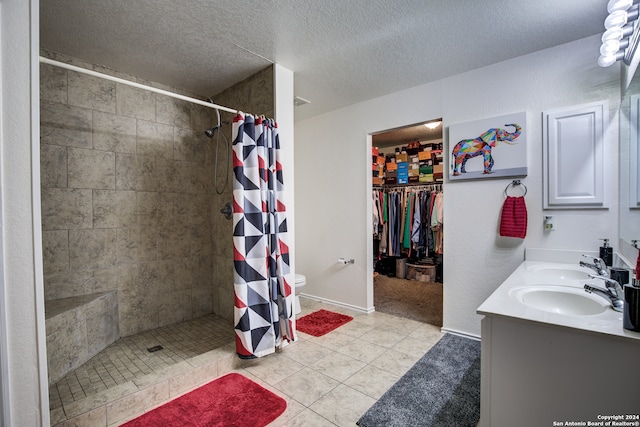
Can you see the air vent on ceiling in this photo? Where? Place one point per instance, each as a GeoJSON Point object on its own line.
{"type": "Point", "coordinates": [298, 101]}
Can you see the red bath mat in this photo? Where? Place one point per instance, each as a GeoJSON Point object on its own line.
{"type": "Point", "coordinates": [231, 400]}
{"type": "Point", "coordinates": [321, 322]}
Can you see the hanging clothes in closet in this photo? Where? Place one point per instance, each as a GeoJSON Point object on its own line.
{"type": "Point", "coordinates": [408, 221]}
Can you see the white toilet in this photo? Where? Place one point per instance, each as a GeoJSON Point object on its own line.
{"type": "Point", "coordinates": [301, 280]}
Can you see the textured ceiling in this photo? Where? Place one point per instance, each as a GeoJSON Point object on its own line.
{"type": "Point", "coordinates": [341, 51]}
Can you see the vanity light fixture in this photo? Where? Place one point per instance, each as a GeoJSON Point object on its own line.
{"type": "Point", "coordinates": [432, 125]}
{"type": "Point", "coordinates": [620, 40]}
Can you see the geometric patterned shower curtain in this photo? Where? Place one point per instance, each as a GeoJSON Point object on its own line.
{"type": "Point", "coordinates": [264, 297]}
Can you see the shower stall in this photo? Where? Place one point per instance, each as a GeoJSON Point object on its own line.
{"type": "Point", "coordinates": [133, 235]}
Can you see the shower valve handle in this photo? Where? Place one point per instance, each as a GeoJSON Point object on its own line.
{"type": "Point", "coordinates": [227, 211]}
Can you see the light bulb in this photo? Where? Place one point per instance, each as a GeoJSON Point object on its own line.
{"type": "Point", "coordinates": [614, 33]}
{"type": "Point", "coordinates": [614, 5]}
{"type": "Point", "coordinates": [616, 19]}
{"type": "Point", "coordinates": [432, 125]}
{"type": "Point", "coordinates": [610, 47]}
{"type": "Point", "coordinates": [606, 60]}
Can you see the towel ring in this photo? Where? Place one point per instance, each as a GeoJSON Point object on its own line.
{"type": "Point", "coordinates": [515, 183]}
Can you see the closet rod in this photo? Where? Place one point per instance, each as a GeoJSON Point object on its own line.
{"type": "Point", "coordinates": [134, 84]}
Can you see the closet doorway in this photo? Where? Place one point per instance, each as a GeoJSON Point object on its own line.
{"type": "Point", "coordinates": [407, 217]}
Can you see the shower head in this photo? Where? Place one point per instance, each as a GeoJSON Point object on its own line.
{"type": "Point", "coordinates": [210, 132]}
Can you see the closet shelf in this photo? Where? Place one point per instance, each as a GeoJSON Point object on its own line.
{"type": "Point", "coordinates": [415, 164]}
{"type": "Point", "coordinates": [436, 186]}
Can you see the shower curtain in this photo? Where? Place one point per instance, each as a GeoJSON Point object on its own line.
{"type": "Point", "coordinates": [263, 309]}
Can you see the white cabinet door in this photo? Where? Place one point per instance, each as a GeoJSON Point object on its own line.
{"type": "Point", "coordinates": [573, 150]}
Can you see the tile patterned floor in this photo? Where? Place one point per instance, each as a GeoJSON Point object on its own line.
{"type": "Point", "coordinates": [332, 380]}
{"type": "Point", "coordinates": [327, 381]}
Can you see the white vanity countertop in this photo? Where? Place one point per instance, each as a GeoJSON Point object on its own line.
{"type": "Point", "coordinates": [536, 273]}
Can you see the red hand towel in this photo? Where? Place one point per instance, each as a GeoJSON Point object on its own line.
{"type": "Point", "coordinates": [513, 220]}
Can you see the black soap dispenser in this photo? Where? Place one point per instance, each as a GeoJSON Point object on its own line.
{"type": "Point", "coordinates": [606, 253]}
{"type": "Point", "coordinates": [631, 318]}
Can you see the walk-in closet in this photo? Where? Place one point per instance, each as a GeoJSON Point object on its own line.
{"type": "Point", "coordinates": [408, 232]}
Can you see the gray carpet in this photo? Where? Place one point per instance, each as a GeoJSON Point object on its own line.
{"type": "Point", "coordinates": [442, 389]}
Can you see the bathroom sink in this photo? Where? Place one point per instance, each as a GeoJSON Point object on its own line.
{"type": "Point", "coordinates": [570, 301]}
{"type": "Point", "coordinates": [563, 272]}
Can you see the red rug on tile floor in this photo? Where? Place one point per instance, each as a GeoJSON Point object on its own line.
{"type": "Point", "coordinates": [231, 400]}
{"type": "Point", "coordinates": [321, 322]}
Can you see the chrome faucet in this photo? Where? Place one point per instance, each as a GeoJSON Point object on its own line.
{"type": "Point", "coordinates": [598, 266]}
{"type": "Point", "coordinates": [612, 293]}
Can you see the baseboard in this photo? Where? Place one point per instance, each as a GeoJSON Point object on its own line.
{"type": "Point", "coordinates": [339, 304]}
{"type": "Point", "coordinates": [462, 334]}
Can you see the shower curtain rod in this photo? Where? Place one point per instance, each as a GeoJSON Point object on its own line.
{"type": "Point", "coordinates": [134, 84]}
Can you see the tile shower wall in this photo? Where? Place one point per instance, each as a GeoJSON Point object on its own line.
{"type": "Point", "coordinates": [127, 197]}
{"type": "Point", "coordinates": [129, 205]}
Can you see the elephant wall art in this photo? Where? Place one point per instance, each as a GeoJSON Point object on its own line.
{"type": "Point", "coordinates": [508, 160]}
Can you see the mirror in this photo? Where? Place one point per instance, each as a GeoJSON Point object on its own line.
{"type": "Point", "coordinates": [629, 139]}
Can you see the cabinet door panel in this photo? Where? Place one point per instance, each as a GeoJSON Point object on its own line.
{"type": "Point", "coordinates": [574, 156]}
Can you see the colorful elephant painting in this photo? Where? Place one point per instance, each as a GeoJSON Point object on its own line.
{"type": "Point", "coordinates": [470, 148]}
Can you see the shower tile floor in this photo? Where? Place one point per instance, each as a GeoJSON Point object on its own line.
{"type": "Point", "coordinates": [327, 381]}
{"type": "Point", "coordinates": [129, 358]}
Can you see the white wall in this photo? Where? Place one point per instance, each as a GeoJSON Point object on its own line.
{"type": "Point", "coordinates": [283, 93]}
{"type": "Point", "coordinates": [332, 179]}
{"type": "Point", "coordinates": [22, 258]}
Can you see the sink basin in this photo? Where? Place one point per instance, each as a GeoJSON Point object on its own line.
{"type": "Point", "coordinates": [570, 301]}
{"type": "Point", "coordinates": [551, 272]}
